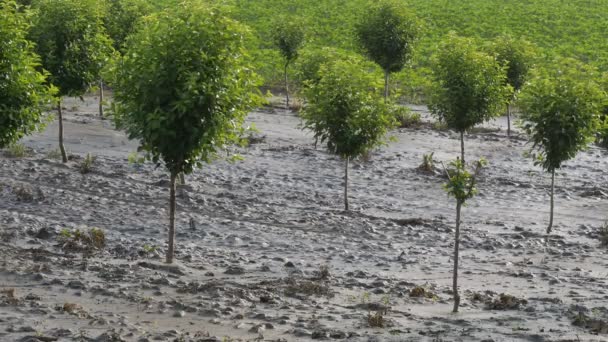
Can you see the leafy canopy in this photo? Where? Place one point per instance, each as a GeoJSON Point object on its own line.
{"type": "Point", "coordinates": [288, 37]}
{"type": "Point", "coordinates": [462, 184]}
{"type": "Point", "coordinates": [344, 109]}
{"type": "Point", "coordinates": [561, 111]}
{"type": "Point", "coordinates": [121, 17]}
{"type": "Point", "coordinates": [387, 34]}
{"type": "Point", "coordinates": [515, 56]}
{"type": "Point", "coordinates": [184, 85]}
{"type": "Point", "coordinates": [469, 85]}
{"type": "Point", "coordinates": [72, 42]}
{"type": "Point", "coordinates": [23, 92]}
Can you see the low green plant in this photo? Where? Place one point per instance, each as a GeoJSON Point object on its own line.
{"type": "Point", "coordinates": [84, 241]}
{"type": "Point", "coordinates": [376, 319]}
{"type": "Point", "coordinates": [135, 159]}
{"type": "Point", "coordinates": [17, 151]}
{"type": "Point", "coordinates": [406, 118]}
{"type": "Point", "coordinates": [428, 164]}
{"type": "Point", "coordinates": [86, 165]}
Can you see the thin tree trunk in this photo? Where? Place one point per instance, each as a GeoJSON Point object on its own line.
{"type": "Point", "coordinates": [386, 85]}
{"type": "Point", "coordinates": [456, 247]}
{"type": "Point", "coordinates": [462, 146]}
{"type": "Point", "coordinates": [286, 88]}
{"type": "Point", "coordinates": [552, 202]}
{"type": "Point", "coordinates": [182, 179]}
{"type": "Point", "coordinates": [101, 98]}
{"type": "Point", "coordinates": [509, 120]}
{"type": "Point", "coordinates": [64, 156]}
{"type": "Point", "coordinates": [346, 184]}
{"type": "Point", "coordinates": [171, 246]}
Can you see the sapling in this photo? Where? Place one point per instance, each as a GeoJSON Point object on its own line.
{"type": "Point", "coordinates": [387, 34]}
{"type": "Point", "coordinates": [72, 43]}
{"type": "Point", "coordinates": [288, 37]}
{"type": "Point", "coordinates": [516, 57]}
{"type": "Point", "coordinates": [345, 112]}
{"type": "Point", "coordinates": [183, 88]}
{"type": "Point", "coordinates": [461, 185]}
{"type": "Point", "coordinates": [561, 112]}
{"type": "Point", "coordinates": [468, 86]}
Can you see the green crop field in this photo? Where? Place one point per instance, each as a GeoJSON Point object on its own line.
{"type": "Point", "coordinates": [572, 28]}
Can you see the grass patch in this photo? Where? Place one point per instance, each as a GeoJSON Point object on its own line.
{"type": "Point", "coordinates": [18, 151]}
{"type": "Point", "coordinates": [87, 164]}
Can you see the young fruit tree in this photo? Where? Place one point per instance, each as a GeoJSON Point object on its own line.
{"type": "Point", "coordinates": [461, 185]}
{"type": "Point", "coordinates": [468, 86]}
{"type": "Point", "coordinates": [387, 34]}
{"type": "Point", "coordinates": [183, 88]}
{"type": "Point", "coordinates": [344, 111]}
{"type": "Point", "coordinates": [288, 37]}
{"type": "Point", "coordinates": [22, 87]}
{"type": "Point", "coordinates": [516, 57]}
{"type": "Point", "coordinates": [72, 43]}
{"type": "Point", "coordinates": [561, 113]}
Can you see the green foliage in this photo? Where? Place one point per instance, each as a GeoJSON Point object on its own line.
{"type": "Point", "coordinates": [121, 18]}
{"type": "Point", "coordinates": [184, 85]}
{"type": "Point", "coordinates": [428, 164]}
{"type": "Point", "coordinates": [405, 117]}
{"type": "Point", "coordinates": [86, 165]}
{"type": "Point", "coordinates": [312, 58]}
{"type": "Point", "coordinates": [72, 43]}
{"type": "Point", "coordinates": [561, 111]}
{"type": "Point", "coordinates": [23, 93]}
{"type": "Point", "coordinates": [288, 37]}
{"type": "Point", "coordinates": [83, 241]}
{"type": "Point", "coordinates": [468, 85]}
{"type": "Point", "coordinates": [387, 34]}
{"type": "Point", "coordinates": [18, 151]}
{"type": "Point", "coordinates": [344, 110]}
{"type": "Point", "coordinates": [462, 184]}
{"type": "Point", "coordinates": [515, 56]}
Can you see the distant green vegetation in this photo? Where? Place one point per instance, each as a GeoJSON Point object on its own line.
{"type": "Point", "coordinates": [572, 28]}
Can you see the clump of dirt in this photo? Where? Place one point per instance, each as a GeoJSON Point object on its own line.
{"type": "Point", "coordinates": [506, 302]}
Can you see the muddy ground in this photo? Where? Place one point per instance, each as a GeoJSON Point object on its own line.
{"type": "Point", "coordinates": [266, 253]}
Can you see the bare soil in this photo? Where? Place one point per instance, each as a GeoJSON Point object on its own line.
{"type": "Point", "coordinates": [266, 253]}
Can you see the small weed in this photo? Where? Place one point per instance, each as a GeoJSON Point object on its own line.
{"type": "Point", "coordinates": [439, 126]}
{"type": "Point", "coordinates": [297, 287]}
{"type": "Point", "coordinates": [135, 159]}
{"type": "Point", "coordinates": [149, 248]}
{"type": "Point", "coordinates": [376, 320]}
{"type": "Point", "coordinates": [79, 241]}
{"type": "Point", "coordinates": [323, 273]}
{"type": "Point", "coordinates": [506, 302]}
{"type": "Point", "coordinates": [421, 292]}
{"type": "Point", "coordinates": [405, 118]}
{"type": "Point", "coordinates": [428, 165]}
{"type": "Point", "coordinates": [18, 151]}
{"type": "Point", "coordinates": [86, 165]}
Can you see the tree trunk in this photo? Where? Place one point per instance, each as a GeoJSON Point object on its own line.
{"type": "Point", "coordinates": [64, 156]}
{"type": "Point", "coordinates": [171, 244]}
{"type": "Point", "coordinates": [509, 120]}
{"type": "Point", "coordinates": [552, 202]}
{"type": "Point", "coordinates": [286, 88]}
{"type": "Point", "coordinates": [101, 98]}
{"type": "Point", "coordinates": [456, 246]}
{"type": "Point", "coordinates": [182, 179]}
{"type": "Point", "coordinates": [386, 81]}
{"type": "Point", "coordinates": [462, 147]}
{"type": "Point", "coordinates": [346, 184]}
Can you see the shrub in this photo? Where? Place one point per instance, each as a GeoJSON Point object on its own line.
{"type": "Point", "coordinates": [405, 118]}
{"type": "Point", "coordinates": [86, 165]}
